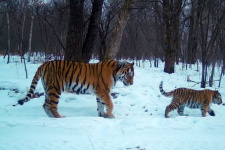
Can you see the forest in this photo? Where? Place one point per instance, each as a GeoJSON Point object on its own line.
{"type": "Point", "coordinates": [186, 31]}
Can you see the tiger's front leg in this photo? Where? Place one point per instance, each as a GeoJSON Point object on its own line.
{"type": "Point", "coordinates": [105, 97]}
{"type": "Point", "coordinates": [204, 110]}
{"type": "Point", "coordinates": [100, 108]}
{"type": "Point", "coordinates": [211, 112]}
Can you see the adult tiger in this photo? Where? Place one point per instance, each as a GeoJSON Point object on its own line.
{"type": "Point", "coordinates": [191, 98]}
{"type": "Point", "coordinates": [80, 78]}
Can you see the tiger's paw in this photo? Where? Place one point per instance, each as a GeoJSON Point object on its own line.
{"type": "Point", "coordinates": [184, 115]}
{"type": "Point", "coordinates": [62, 117]}
{"type": "Point", "coordinates": [21, 102]}
{"type": "Point", "coordinates": [167, 116]}
{"type": "Point", "coordinates": [109, 116]}
{"type": "Point", "coordinates": [101, 114]}
{"type": "Point", "coordinates": [212, 113]}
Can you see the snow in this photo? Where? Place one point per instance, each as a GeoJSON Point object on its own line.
{"type": "Point", "coordinates": [139, 110]}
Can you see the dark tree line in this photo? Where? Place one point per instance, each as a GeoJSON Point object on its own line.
{"type": "Point", "coordinates": [171, 30]}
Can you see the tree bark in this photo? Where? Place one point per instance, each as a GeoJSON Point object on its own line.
{"type": "Point", "coordinates": [74, 39]}
{"type": "Point", "coordinates": [117, 33]}
{"type": "Point", "coordinates": [193, 34]}
{"type": "Point", "coordinates": [169, 52]}
{"type": "Point", "coordinates": [212, 74]}
{"type": "Point", "coordinates": [208, 42]}
{"type": "Point", "coordinates": [92, 40]}
{"type": "Point", "coordinates": [171, 16]}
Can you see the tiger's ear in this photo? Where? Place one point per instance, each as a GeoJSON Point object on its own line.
{"type": "Point", "coordinates": [121, 63]}
{"type": "Point", "coordinates": [132, 64]}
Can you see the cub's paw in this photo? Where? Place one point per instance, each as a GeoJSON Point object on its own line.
{"type": "Point", "coordinates": [212, 113]}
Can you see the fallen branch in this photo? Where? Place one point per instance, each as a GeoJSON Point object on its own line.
{"type": "Point", "coordinates": [189, 80]}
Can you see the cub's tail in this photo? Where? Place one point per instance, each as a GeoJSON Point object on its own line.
{"type": "Point", "coordinates": [167, 94]}
{"type": "Point", "coordinates": [31, 93]}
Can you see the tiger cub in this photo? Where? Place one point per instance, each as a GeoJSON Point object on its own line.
{"type": "Point", "coordinates": [80, 78]}
{"type": "Point", "coordinates": [191, 98]}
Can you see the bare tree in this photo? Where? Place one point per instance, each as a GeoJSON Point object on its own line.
{"type": "Point", "coordinates": [115, 41]}
{"type": "Point", "coordinates": [92, 38]}
{"type": "Point", "coordinates": [9, 41]}
{"type": "Point", "coordinates": [75, 31]}
{"type": "Point", "coordinates": [171, 15]}
{"type": "Point", "coordinates": [209, 31]}
{"type": "Point", "coordinates": [79, 44]}
{"type": "Point", "coordinates": [192, 44]}
{"type": "Point", "coordinates": [110, 11]}
{"type": "Point", "coordinates": [30, 37]}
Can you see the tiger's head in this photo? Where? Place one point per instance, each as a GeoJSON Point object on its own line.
{"type": "Point", "coordinates": [217, 99]}
{"type": "Point", "coordinates": [125, 72]}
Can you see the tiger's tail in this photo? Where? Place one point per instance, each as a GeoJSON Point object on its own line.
{"type": "Point", "coordinates": [32, 87]}
{"type": "Point", "coordinates": [167, 94]}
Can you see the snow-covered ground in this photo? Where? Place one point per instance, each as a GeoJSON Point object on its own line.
{"type": "Point", "coordinates": [139, 110]}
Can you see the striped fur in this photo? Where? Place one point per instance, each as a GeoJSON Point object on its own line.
{"type": "Point", "coordinates": [80, 78]}
{"type": "Point", "coordinates": [191, 98]}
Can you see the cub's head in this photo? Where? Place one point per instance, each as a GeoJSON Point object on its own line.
{"type": "Point", "coordinates": [217, 99]}
{"type": "Point", "coordinates": [125, 72]}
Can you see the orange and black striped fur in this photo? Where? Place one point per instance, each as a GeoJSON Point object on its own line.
{"type": "Point", "coordinates": [191, 98]}
{"type": "Point", "coordinates": [80, 78]}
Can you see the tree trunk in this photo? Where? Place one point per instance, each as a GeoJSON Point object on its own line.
{"type": "Point", "coordinates": [8, 26]}
{"type": "Point", "coordinates": [92, 40]}
{"type": "Point", "coordinates": [22, 35]}
{"type": "Point", "coordinates": [222, 70]}
{"type": "Point", "coordinates": [117, 33]}
{"type": "Point", "coordinates": [192, 46]}
{"type": "Point", "coordinates": [74, 39]}
{"type": "Point", "coordinates": [30, 37]}
{"type": "Point", "coordinates": [208, 42]}
{"type": "Point", "coordinates": [171, 16]}
{"type": "Point", "coordinates": [204, 74]}
{"type": "Point", "coordinates": [169, 52]}
{"type": "Point", "coordinates": [212, 74]}
{"type": "Point", "coordinates": [25, 67]}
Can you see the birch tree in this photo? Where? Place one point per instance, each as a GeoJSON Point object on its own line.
{"type": "Point", "coordinates": [9, 45]}
{"type": "Point", "coordinates": [30, 37]}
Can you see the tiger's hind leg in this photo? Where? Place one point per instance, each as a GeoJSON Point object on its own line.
{"type": "Point", "coordinates": [46, 107]}
{"type": "Point", "coordinates": [180, 110]}
{"type": "Point", "coordinates": [171, 107]}
{"type": "Point", "coordinates": [211, 112]}
{"type": "Point", "coordinates": [54, 96]}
